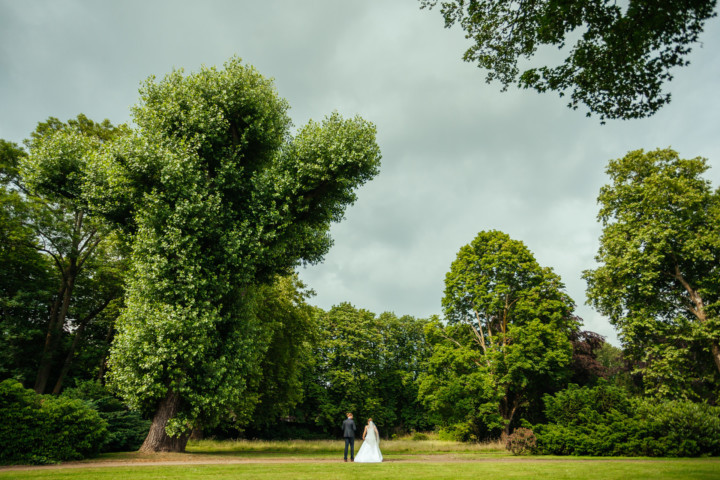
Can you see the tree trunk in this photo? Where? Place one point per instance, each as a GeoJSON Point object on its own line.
{"type": "Point", "coordinates": [68, 359]}
{"type": "Point", "coordinates": [716, 354]}
{"type": "Point", "coordinates": [157, 439]}
{"type": "Point", "coordinates": [73, 347]}
{"type": "Point", "coordinates": [699, 312]}
{"type": "Point", "coordinates": [50, 342]}
{"type": "Point", "coordinates": [53, 336]}
{"type": "Point", "coordinates": [509, 412]}
{"type": "Point", "coordinates": [103, 361]}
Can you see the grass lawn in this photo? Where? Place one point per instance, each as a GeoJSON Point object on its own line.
{"type": "Point", "coordinates": [405, 459]}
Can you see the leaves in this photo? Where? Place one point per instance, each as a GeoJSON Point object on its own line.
{"type": "Point", "coordinates": [507, 341]}
{"type": "Point", "coordinates": [658, 278]}
{"type": "Point", "coordinates": [620, 59]}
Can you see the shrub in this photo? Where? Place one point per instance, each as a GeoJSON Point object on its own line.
{"type": "Point", "coordinates": [71, 428]}
{"type": "Point", "coordinates": [126, 429]}
{"type": "Point", "coordinates": [599, 421]}
{"type": "Point", "coordinates": [521, 441]}
{"type": "Point", "coordinates": [679, 428]}
{"type": "Point", "coordinates": [20, 430]}
{"type": "Point", "coordinates": [46, 429]}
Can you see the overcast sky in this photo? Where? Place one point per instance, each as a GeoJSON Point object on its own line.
{"type": "Point", "coordinates": [459, 156]}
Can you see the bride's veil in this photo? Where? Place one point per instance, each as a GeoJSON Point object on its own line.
{"type": "Point", "coordinates": [372, 431]}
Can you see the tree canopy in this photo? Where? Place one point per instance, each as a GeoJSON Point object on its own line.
{"type": "Point", "coordinates": [508, 338]}
{"type": "Point", "coordinates": [618, 55]}
{"type": "Point", "coordinates": [366, 364]}
{"type": "Point", "coordinates": [658, 279]}
{"type": "Point", "coordinates": [26, 279]}
{"type": "Point", "coordinates": [76, 267]}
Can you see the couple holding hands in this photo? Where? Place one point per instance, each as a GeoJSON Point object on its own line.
{"type": "Point", "coordinates": [370, 449]}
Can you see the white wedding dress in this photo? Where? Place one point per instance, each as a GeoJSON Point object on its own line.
{"type": "Point", "coordinates": [370, 449]}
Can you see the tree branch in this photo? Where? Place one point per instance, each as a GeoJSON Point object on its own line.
{"type": "Point", "coordinates": [699, 310]}
{"type": "Point", "coordinates": [447, 337]}
{"type": "Point", "coordinates": [89, 252]}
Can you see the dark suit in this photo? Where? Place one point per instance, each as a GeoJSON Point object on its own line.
{"type": "Point", "coordinates": [348, 427]}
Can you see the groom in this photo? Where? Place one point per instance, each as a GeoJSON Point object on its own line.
{"type": "Point", "coordinates": [348, 427]}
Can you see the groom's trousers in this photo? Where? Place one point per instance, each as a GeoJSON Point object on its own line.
{"type": "Point", "coordinates": [350, 441]}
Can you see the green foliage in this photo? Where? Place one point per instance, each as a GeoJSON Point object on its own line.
{"type": "Point", "coordinates": [521, 442]}
{"type": "Point", "coordinates": [586, 404]}
{"type": "Point", "coordinates": [507, 341]}
{"type": "Point", "coordinates": [282, 309]}
{"type": "Point", "coordinates": [82, 261]}
{"type": "Point", "coordinates": [604, 420]}
{"type": "Point", "coordinates": [366, 364]}
{"type": "Point", "coordinates": [20, 428]}
{"type": "Point", "coordinates": [126, 429]}
{"type": "Point", "coordinates": [72, 430]}
{"type": "Point", "coordinates": [46, 429]}
{"type": "Point", "coordinates": [620, 59]}
{"type": "Point", "coordinates": [458, 389]}
{"type": "Point", "coordinates": [616, 366]}
{"type": "Point", "coordinates": [25, 274]}
{"type": "Point", "coordinates": [658, 280]}
{"type": "Point", "coordinates": [219, 199]}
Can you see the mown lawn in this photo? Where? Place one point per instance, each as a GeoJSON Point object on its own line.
{"type": "Point", "coordinates": [405, 459]}
{"type": "Point", "coordinates": [487, 470]}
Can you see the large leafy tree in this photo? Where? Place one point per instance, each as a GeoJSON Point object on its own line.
{"type": "Point", "coordinates": [619, 54]}
{"type": "Point", "coordinates": [659, 274]}
{"type": "Point", "coordinates": [507, 339]}
{"type": "Point", "coordinates": [25, 275]}
{"type": "Point", "coordinates": [54, 177]}
{"type": "Point", "coordinates": [219, 197]}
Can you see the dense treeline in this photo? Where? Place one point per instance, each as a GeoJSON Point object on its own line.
{"type": "Point", "coordinates": [146, 285]}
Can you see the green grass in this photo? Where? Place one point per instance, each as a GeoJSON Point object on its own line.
{"type": "Point", "coordinates": [487, 470]}
{"type": "Point", "coordinates": [405, 459]}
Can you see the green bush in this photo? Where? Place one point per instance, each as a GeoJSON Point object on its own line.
{"type": "Point", "coordinates": [126, 429]}
{"type": "Point", "coordinates": [20, 423]}
{"type": "Point", "coordinates": [72, 429]}
{"type": "Point", "coordinates": [604, 420]}
{"type": "Point", "coordinates": [46, 429]}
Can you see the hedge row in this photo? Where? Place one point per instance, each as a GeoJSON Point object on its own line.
{"type": "Point", "coordinates": [603, 420]}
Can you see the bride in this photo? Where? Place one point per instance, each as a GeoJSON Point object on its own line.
{"type": "Point", "coordinates": [370, 450]}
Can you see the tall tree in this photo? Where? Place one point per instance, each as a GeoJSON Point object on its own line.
{"type": "Point", "coordinates": [619, 54]}
{"type": "Point", "coordinates": [219, 197]}
{"type": "Point", "coordinates": [515, 321]}
{"type": "Point", "coordinates": [658, 279]}
{"type": "Point", "coordinates": [25, 275]}
{"type": "Point", "coordinates": [54, 179]}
